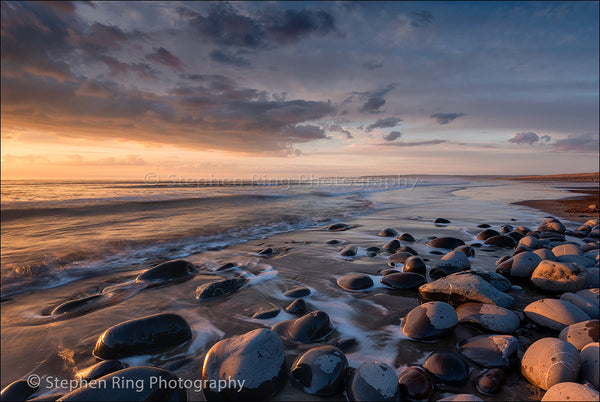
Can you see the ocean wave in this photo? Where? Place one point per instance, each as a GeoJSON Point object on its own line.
{"type": "Point", "coordinates": [114, 205]}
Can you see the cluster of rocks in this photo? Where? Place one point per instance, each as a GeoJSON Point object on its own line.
{"type": "Point", "coordinates": [565, 271]}
{"type": "Point", "coordinates": [565, 364]}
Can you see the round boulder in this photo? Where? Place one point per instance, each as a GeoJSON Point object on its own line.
{"type": "Point", "coordinates": [559, 277]}
{"type": "Point", "coordinates": [312, 327]}
{"type": "Point", "coordinates": [388, 232]}
{"type": "Point", "coordinates": [429, 321]}
{"type": "Point", "coordinates": [487, 317]}
{"type": "Point", "coordinates": [486, 234]}
{"type": "Point", "coordinates": [297, 292]}
{"type": "Point", "coordinates": [18, 390]}
{"type": "Point", "coordinates": [142, 336]}
{"type": "Point", "coordinates": [414, 384]}
{"type": "Point", "coordinates": [456, 259]}
{"type": "Point", "coordinates": [355, 281]}
{"type": "Point", "coordinates": [320, 371]}
{"type": "Point", "coordinates": [349, 251]}
{"type": "Point", "coordinates": [169, 270]}
{"type": "Point", "coordinates": [590, 370]}
{"type": "Point", "coordinates": [415, 264]}
{"type": "Point", "coordinates": [373, 381]}
{"type": "Point", "coordinates": [257, 358]}
{"type": "Point", "coordinates": [501, 241]}
{"type": "Point", "coordinates": [551, 225]}
{"type": "Point", "coordinates": [570, 391]}
{"type": "Point", "coordinates": [554, 314]}
{"type": "Point", "coordinates": [581, 333]}
{"type": "Point", "coordinates": [588, 307]}
{"type": "Point", "coordinates": [406, 237]}
{"type": "Point", "coordinates": [404, 280]}
{"type": "Point", "coordinates": [216, 289]}
{"type": "Point", "coordinates": [550, 361]}
{"type": "Point", "coordinates": [449, 243]}
{"type": "Point", "coordinates": [98, 370]}
{"type": "Point", "coordinates": [448, 368]}
{"type": "Point", "coordinates": [490, 381]}
{"type": "Point", "coordinates": [491, 351]}
{"type": "Point", "coordinates": [150, 384]}
{"type": "Point", "coordinates": [521, 265]}
{"type": "Point", "coordinates": [298, 306]}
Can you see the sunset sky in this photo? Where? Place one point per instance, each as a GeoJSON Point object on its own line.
{"type": "Point", "coordinates": [247, 89]}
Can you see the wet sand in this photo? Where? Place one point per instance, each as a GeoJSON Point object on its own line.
{"type": "Point", "coordinates": [572, 208]}
{"type": "Point", "coordinates": [31, 343]}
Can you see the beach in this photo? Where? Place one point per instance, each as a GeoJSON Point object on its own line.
{"type": "Point", "coordinates": [34, 341]}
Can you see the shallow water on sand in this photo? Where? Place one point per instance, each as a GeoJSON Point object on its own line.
{"type": "Point", "coordinates": [33, 343]}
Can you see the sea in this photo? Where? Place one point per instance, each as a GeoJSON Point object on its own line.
{"type": "Point", "coordinates": [58, 231]}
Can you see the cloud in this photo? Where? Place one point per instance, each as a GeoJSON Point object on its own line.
{"type": "Point", "coordinates": [384, 123]}
{"type": "Point", "coordinates": [413, 143]}
{"type": "Point", "coordinates": [224, 57]}
{"type": "Point", "coordinates": [129, 160]}
{"type": "Point", "coordinates": [292, 25]}
{"type": "Point", "coordinates": [224, 25]}
{"type": "Point", "coordinates": [578, 142]}
{"type": "Point", "coordinates": [163, 56]}
{"type": "Point", "coordinates": [340, 129]}
{"type": "Point", "coordinates": [525, 138]}
{"type": "Point", "coordinates": [445, 118]}
{"type": "Point", "coordinates": [373, 64]}
{"type": "Point", "coordinates": [392, 135]}
{"type": "Point", "coordinates": [375, 99]}
{"type": "Point", "coordinates": [420, 19]}
{"type": "Point", "coordinates": [211, 113]}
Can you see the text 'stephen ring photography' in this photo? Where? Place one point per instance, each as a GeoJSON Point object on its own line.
{"type": "Point", "coordinates": [361, 201]}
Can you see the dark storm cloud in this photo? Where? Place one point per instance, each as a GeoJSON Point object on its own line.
{"type": "Point", "coordinates": [224, 25]}
{"type": "Point", "coordinates": [35, 39]}
{"type": "Point", "coordinates": [525, 138]}
{"type": "Point", "coordinates": [225, 57]}
{"type": "Point", "coordinates": [578, 142]}
{"type": "Point", "coordinates": [118, 68]}
{"type": "Point", "coordinates": [372, 64]}
{"type": "Point", "coordinates": [215, 114]}
{"type": "Point", "coordinates": [392, 135]}
{"type": "Point", "coordinates": [445, 118]}
{"type": "Point", "coordinates": [384, 123]}
{"type": "Point", "coordinates": [292, 25]}
{"type": "Point", "coordinates": [340, 129]}
{"type": "Point", "coordinates": [420, 19]}
{"type": "Point", "coordinates": [413, 143]}
{"type": "Point", "coordinates": [46, 40]}
{"type": "Point", "coordinates": [163, 56]}
{"type": "Point", "coordinates": [375, 99]}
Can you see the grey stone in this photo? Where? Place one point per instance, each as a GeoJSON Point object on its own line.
{"type": "Point", "coordinates": [591, 309]}
{"type": "Point", "coordinates": [554, 314]}
{"type": "Point", "coordinates": [550, 361]}
{"type": "Point", "coordinates": [429, 321]}
{"type": "Point", "coordinates": [590, 369]}
{"type": "Point", "coordinates": [572, 391]}
{"type": "Point", "coordinates": [491, 351]}
{"type": "Point", "coordinates": [581, 333]}
{"type": "Point", "coordinates": [256, 357]}
{"type": "Point", "coordinates": [560, 277]}
{"type": "Point", "coordinates": [490, 318]}
{"type": "Point", "coordinates": [464, 287]}
{"type": "Point", "coordinates": [373, 381]}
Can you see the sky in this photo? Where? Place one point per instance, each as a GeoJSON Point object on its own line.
{"type": "Point", "coordinates": [192, 90]}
